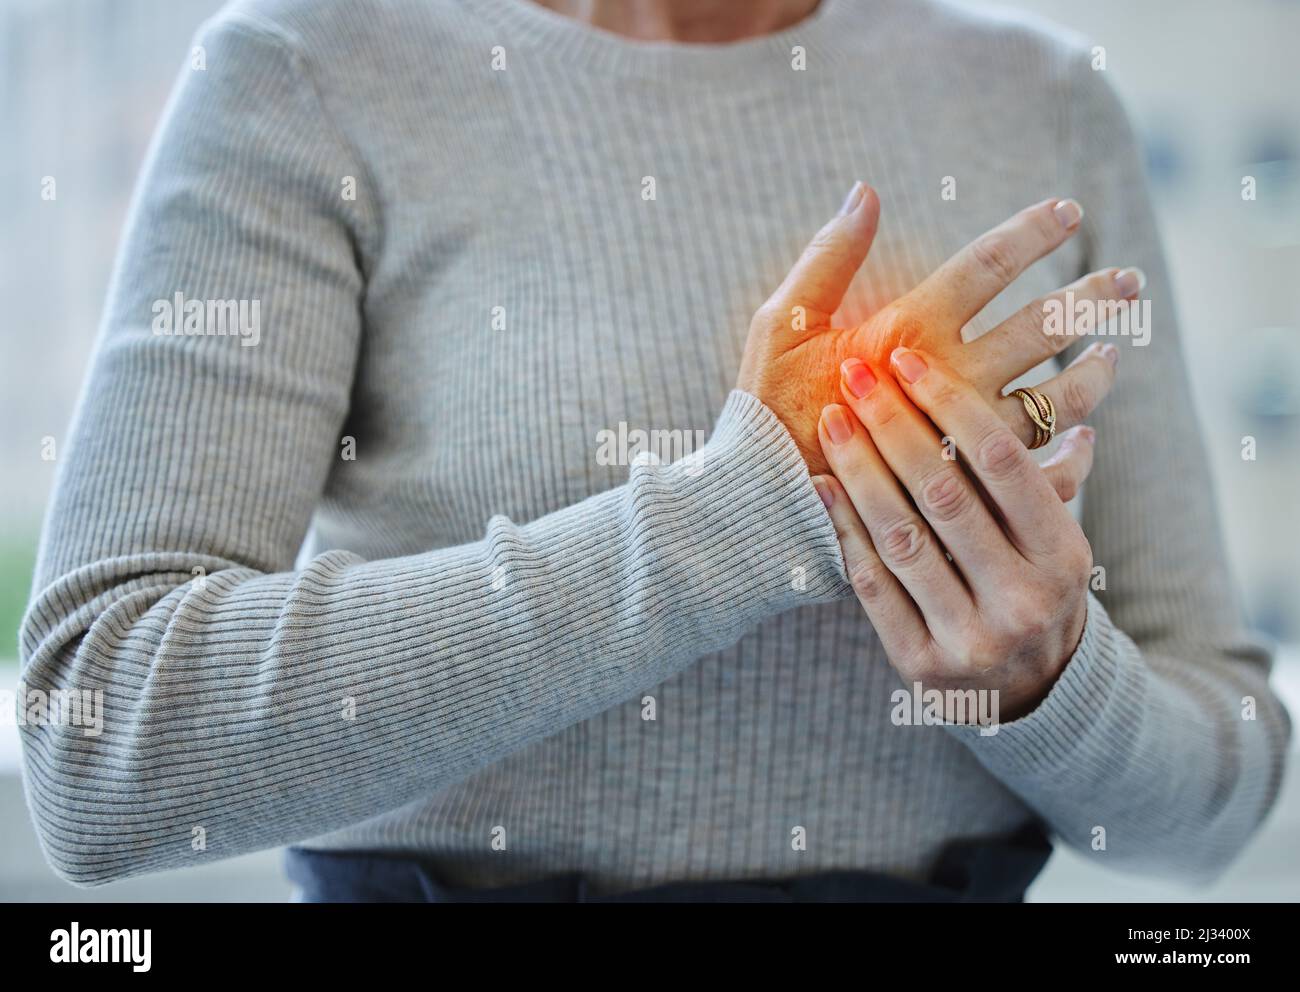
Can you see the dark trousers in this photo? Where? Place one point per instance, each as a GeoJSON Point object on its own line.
{"type": "Point", "coordinates": [982, 871]}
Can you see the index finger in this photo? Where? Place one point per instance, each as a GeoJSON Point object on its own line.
{"type": "Point", "coordinates": [1030, 508]}
{"type": "Point", "coordinates": [961, 287]}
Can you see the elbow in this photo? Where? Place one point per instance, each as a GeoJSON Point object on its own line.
{"type": "Point", "coordinates": [1209, 865]}
{"type": "Point", "coordinates": [72, 852]}
{"type": "Point", "coordinates": [1204, 858]}
{"type": "Point", "coordinates": [80, 871]}
{"type": "Point", "coordinates": [1254, 755]}
{"type": "Point", "coordinates": [85, 802]}
{"type": "Point", "coordinates": [71, 803]}
{"type": "Point", "coordinates": [86, 764]}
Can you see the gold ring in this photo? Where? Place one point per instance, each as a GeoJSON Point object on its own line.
{"type": "Point", "coordinates": [1042, 413]}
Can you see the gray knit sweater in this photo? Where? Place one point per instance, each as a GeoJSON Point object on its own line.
{"type": "Point", "coordinates": [486, 246]}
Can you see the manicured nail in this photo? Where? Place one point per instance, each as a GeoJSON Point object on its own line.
{"type": "Point", "coordinates": [838, 428]}
{"type": "Point", "coordinates": [858, 377]}
{"type": "Point", "coordinates": [853, 199]}
{"type": "Point", "coordinates": [910, 365]}
{"type": "Point", "coordinates": [1068, 212]}
{"type": "Point", "coordinates": [1129, 282]}
{"type": "Point", "coordinates": [1111, 354]}
{"type": "Point", "coordinates": [1088, 434]}
{"type": "Point", "coordinates": [824, 491]}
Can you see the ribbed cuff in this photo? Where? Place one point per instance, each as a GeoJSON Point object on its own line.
{"type": "Point", "coordinates": [1095, 705]}
{"type": "Point", "coordinates": [752, 491]}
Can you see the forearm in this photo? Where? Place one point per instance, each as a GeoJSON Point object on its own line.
{"type": "Point", "coordinates": [268, 708]}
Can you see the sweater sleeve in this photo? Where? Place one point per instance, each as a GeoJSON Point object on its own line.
{"type": "Point", "coordinates": [251, 704]}
{"type": "Point", "coordinates": [1162, 730]}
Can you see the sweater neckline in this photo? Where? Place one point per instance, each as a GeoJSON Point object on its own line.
{"type": "Point", "coordinates": [573, 42]}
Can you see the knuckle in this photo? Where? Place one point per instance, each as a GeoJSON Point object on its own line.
{"type": "Point", "coordinates": [904, 542]}
{"type": "Point", "coordinates": [881, 409]}
{"type": "Point", "coordinates": [1026, 618]}
{"type": "Point", "coordinates": [1077, 560]}
{"type": "Point", "coordinates": [1077, 398]}
{"type": "Point", "coordinates": [825, 239]}
{"type": "Point", "coordinates": [1032, 333]}
{"type": "Point", "coordinates": [902, 327]}
{"type": "Point", "coordinates": [869, 579]}
{"type": "Point", "coordinates": [997, 256]}
{"type": "Point", "coordinates": [926, 662]}
{"type": "Point", "coordinates": [980, 647]}
{"type": "Point", "coordinates": [895, 312]}
{"type": "Point", "coordinates": [1000, 455]}
{"type": "Point", "coordinates": [767, 317]}
{"type": "Point", "coordinates": [1100, 285]}
{"type": "Point", "coordinates": [1020, 614]}
{"type": "Point", "coordinates": [849, 461]}
{"type": "Point", "coordinates": [1046, 227]}
{"type": "Point", "coordinates": [944, 393]}
{"type": "Point", "coordinates": [946, 497]}
{"type": "Point", "coordinates": [828, 243]}
{"type": "Point", "coordinates": [1067, 487]}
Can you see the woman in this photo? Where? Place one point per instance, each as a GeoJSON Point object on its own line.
{"type": "Point", "coordinates": [479, 236]}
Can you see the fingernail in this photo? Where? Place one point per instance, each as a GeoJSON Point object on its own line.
{"type": "Point", "coordinates": [858, 377]}
{"type": "Point", "coordinates": [910, 365]}
{"type": "Point", "coordinates": [1088, 434]}
{"type": "Point", "coordinates": [838, 428]}
{"type": "Point", "coordinates": [853, 199]}
{"type": "Point", "coordinates": [824, 491]}
{"type": "Point", "coordinates": [1111, 354]}
{"type": "Point", "coordinates": [1068, 212]}
{"type": "Point", "coordinates": [1129, 282]}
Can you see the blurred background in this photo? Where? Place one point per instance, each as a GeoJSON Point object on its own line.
{"type": "Point", "coordinates": [1212, 86]}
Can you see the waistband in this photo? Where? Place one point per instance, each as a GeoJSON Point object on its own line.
{"type": "Point", "coordinates": [969, 871]}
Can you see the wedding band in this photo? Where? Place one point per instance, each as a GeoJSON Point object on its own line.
{"type": "Point", "coordinates": [1042, 413]}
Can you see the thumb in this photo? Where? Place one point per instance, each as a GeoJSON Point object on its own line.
{"type": "Point", "coordinates": [822, 275]}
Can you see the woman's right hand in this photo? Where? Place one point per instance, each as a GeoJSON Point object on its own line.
{"type": "Point", "coordinates": [793, 354]}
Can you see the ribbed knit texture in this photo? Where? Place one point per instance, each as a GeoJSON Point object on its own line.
{"type": "Point", "coordinates": [493, 600]}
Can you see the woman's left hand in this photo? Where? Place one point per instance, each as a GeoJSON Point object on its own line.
{"type": "Point", "coordinates": [1004, 607]}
